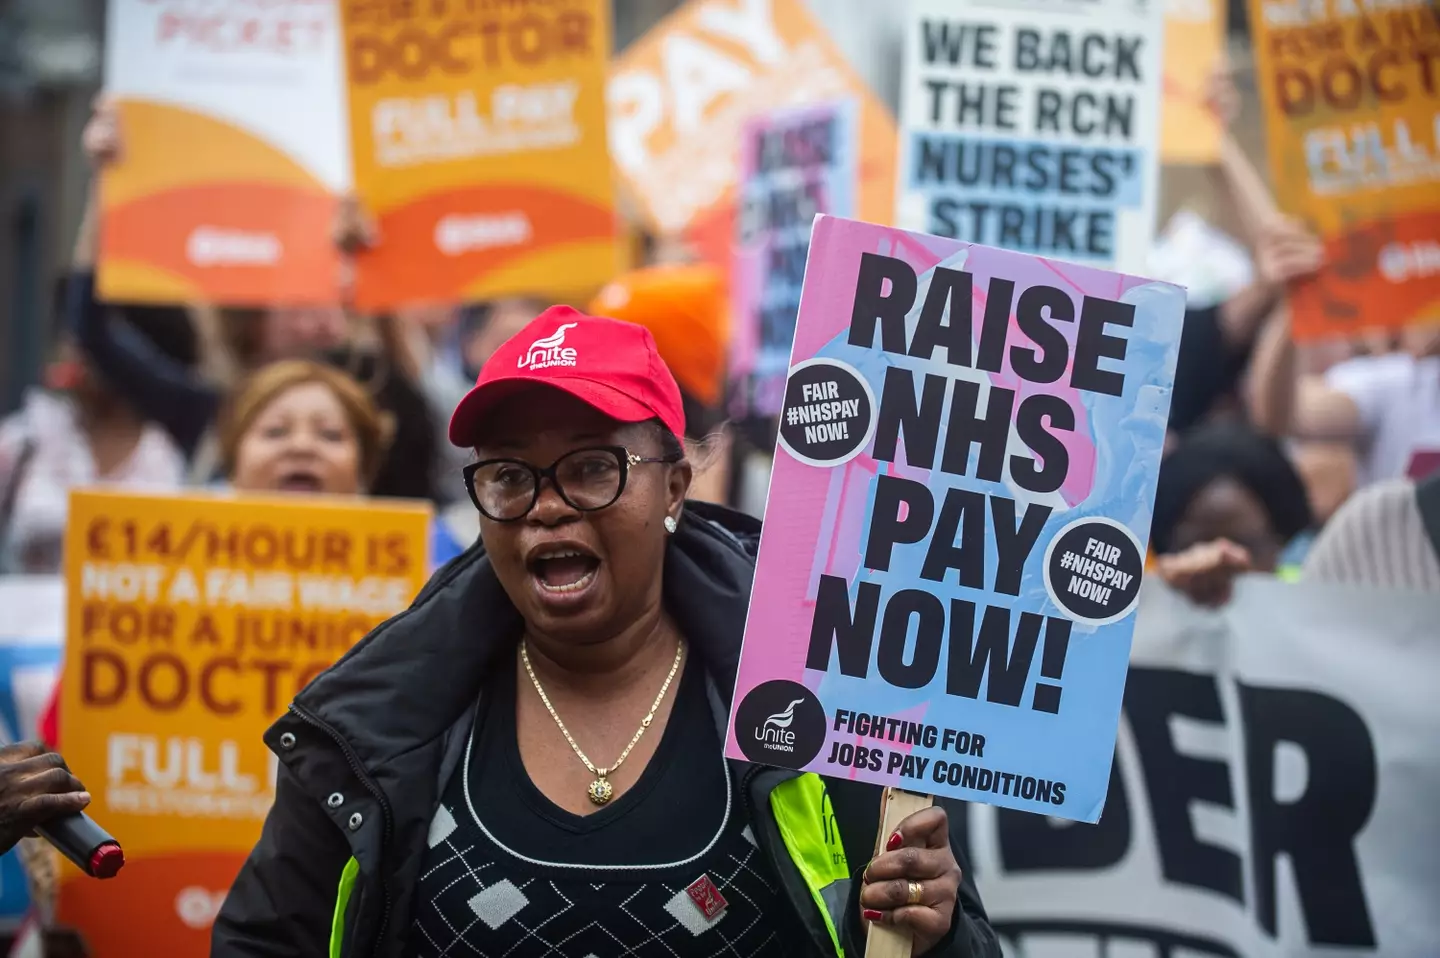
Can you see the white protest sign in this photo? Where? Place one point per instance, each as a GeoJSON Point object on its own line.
{"type": "Point", "coordinates": [1033, 126]}
{"type": "Point", "coordinates": [1273, 793]}
{"type": "Point", "coordinates": [272, 72]}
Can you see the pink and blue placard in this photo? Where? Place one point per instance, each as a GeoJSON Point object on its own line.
{"type": "Point", "coordinates": [957, 521]}
{"type": "Point", "coordinates": [794, 164]}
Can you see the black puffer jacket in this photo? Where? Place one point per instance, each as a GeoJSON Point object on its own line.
{"type": "Point", "coordinates": [367, 748]}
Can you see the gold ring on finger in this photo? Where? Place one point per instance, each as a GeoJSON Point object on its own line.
{"type": "Point", "coordinates": [916, 891]}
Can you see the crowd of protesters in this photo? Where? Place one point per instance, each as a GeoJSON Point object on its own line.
{"type": "Point", "coordinates": [1305, 463]}
{"type": "Point", "coordinates": [135, 396]}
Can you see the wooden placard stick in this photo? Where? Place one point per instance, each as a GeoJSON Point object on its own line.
{"type": "Point", "coordinates": [896, 805]}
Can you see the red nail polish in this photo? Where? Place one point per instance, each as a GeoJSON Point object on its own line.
{"type": "Point", "coordinates": [893, 843]}
{"type": "Point", "coordinates": [870, 914]}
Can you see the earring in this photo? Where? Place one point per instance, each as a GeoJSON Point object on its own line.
{"type": "Point", "coordinates": [671, 525]}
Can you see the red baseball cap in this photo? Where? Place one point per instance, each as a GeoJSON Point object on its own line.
{"type": "Point", "coordinates": [611, 365]}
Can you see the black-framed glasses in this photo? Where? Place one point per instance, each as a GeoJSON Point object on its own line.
{"type": "Point", "coordinates": [505, 490]}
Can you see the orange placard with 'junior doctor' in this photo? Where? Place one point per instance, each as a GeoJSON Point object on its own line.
{"type": "Point", "coordinates": [191, 623]}
{"type": "Point", "coordinates": [479, 146]}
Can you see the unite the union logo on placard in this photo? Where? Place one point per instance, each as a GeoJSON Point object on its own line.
{"type": "Point", "coordinates": [775, 730]}
{"type": "Point", "coordinates": [550, 351]}
{"type": "Point", "coordinates": [780, 723]}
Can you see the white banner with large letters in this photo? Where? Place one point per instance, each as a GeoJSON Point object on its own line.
{"type": "Point", "coordinates": [1276, 791]}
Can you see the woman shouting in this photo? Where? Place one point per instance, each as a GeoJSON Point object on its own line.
{"type": "Point", "coordinates": [530, 760]}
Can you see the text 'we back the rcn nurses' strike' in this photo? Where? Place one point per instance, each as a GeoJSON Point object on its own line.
{"type": "Point", "coordinates": [957, 522]}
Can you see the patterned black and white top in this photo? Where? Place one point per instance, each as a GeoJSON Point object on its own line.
{"type": "Point", "coordinates": [670, 868]}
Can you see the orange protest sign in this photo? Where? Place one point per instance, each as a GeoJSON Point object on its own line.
{"type": "Point", "coordinates": [681, 95]}
{"type": "Point", "coordinates": [478, 136]}
{"type": "Point", "coordinates": [1352, 102]}
{"type": "Point", "coordinates": [1194, 47]}
{"type": "Point", "coordinates": [232, 152]}
{"type": "Point", "coordinates": [191, 623]}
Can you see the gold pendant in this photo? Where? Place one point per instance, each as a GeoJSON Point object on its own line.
{"type": "Point", "coordinates": [600, 791]}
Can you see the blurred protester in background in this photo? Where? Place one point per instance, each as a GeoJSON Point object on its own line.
{"type": "Point", "coordinates": [492, 324]}
{"type": "Point", "coordinates": [1228, 501]}
{"type": "Point", "coordinates": [186, 403]}
{"type": "Point", "coordinates": [1216, 341]}
{"type": "Point", "coordinates": [1387, 537]}
{"type": "Point", "coordinates": [300, 426]}
{"type": "Point", "coordinates": [429, 334]}
{"type": "Point", "coordinates": [1386, 406]}
{"type": "Point", "coordinates": [254, 337]}
{"type": "Point", "coordinates": [81, 431]}
{"type": "Point", "coordinates": [685, 308]}
{"type": "Point", "coordinates": [380, 359]}
{"type": "Point", "coordinates": [1328, 471]}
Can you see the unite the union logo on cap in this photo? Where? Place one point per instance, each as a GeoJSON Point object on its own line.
{"type": "Point", "coordinates": [549, 351]}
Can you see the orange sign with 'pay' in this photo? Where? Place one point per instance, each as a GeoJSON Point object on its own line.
{"type": "Point", "coordinates": [191, 624]}
{"type": "Point", "coordinates": [1352, 104]}
{"type": "Point", "coordinates": [681, 96]}
{"type": "Point", "coordinates": [478, 137]}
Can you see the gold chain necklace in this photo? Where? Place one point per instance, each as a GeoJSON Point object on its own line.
{"type": "Point", "coordinates": [600, 790]}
